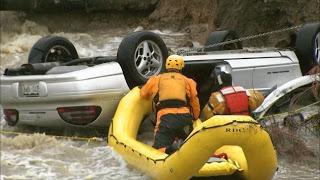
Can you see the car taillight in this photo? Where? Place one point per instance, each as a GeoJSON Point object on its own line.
{"type": "Point", "coordinates": [79, 115]}
{"type": "Point", "coordinates": [11, 116]}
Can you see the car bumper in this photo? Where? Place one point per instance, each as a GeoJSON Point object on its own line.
{"type": "Point", "coordinates": [102, 85]}
{"type": "Point", "coordinates": [44, 113]}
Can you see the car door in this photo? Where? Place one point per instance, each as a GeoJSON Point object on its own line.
{"type": "Point", "coordinates": [264, 70]}
{"type": "Point", "coordinates": [274, 72]}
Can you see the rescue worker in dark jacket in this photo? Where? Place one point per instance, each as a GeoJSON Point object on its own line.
{"type": "Point", "coordinates": [230, 100]}
{"type": "Point", "coordinates": [177, 104]}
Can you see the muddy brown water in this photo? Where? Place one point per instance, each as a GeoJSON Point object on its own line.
{"type": "Point", "coordinates": [40, 156]}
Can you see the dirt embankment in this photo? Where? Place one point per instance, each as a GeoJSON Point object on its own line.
{"type": "Point", "coordinates": [197, 18]}
{"type": "Point", "coordinates": [248, 17]}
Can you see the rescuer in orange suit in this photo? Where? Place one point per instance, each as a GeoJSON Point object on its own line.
{"type": "Point", "coordinates": [177, 104]}
{"type": "Point", "coordinates": [230, 100]}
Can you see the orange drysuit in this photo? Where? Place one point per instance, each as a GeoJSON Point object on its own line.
{"type": "Point", "coordinates": [172, 86]}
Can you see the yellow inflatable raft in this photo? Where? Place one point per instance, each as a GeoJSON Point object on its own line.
{"type": "Point", "coordinates": [248, 146]}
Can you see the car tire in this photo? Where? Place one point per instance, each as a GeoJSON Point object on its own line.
{"type": "Point", "coordinates": [308, 46]}
{"type": "Point", "coordinates": [141, 55]}
{"type": "Point", "coordinates": [52, 49]}
{"type": "Point", "coordinates": [223, 36]}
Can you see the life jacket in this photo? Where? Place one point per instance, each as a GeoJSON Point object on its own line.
{"type": "Point", "coordinates": [255, 99]}
{"type": "Point", "coordinates": [236, 100]}
{"type": "Point", "coordinates": [172, 91]}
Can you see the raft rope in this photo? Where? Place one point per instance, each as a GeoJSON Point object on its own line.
{"type": "Point", "coordinates": [200, 130]}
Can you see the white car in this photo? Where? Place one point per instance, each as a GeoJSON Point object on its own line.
{"type": "Point", "coordinates": [57, 88]}
{"type": "Point", "coordinates": [304, 86]}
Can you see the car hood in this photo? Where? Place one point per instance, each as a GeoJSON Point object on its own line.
{"type": "Point", "coordinates": [275, 95]}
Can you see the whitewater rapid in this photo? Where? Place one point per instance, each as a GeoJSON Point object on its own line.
{"type": "Point", "coordinates": [39, 156]}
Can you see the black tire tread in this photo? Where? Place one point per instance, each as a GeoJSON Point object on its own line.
{"type": "Point", "coordinates": [305, 45]}
{"type": "Point", "coordinates": [125, 55]}
{"type": "Point", "coordinates": [220, 36]}
{"type": "Point", "coordinates": [39, 49]}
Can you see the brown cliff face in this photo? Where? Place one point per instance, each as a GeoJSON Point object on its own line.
{"type": "Point", "coordinates": [200, 17]}
{"type": "Point", "coordinates": [196, 17]}
{"type": "Point", "coordinates": [67, 5]}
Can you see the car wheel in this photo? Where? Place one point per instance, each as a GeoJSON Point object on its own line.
{"type": "Point", "coordinates": [308, 46]}
{"type": "Point", "coordinates": [52, 49]}
{"type": "Point", "coordinates": [141, 55]}
{"type": "Point", "coordinates": [223, 36]}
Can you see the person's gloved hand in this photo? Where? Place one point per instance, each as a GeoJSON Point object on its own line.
{"type": "Point", "coordinates": [174, 147]}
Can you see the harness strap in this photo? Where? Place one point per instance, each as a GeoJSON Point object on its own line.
{"type": "Point", "coordinates": [210, 106]}
{"type": "Point", "coordinates": [171, 103]}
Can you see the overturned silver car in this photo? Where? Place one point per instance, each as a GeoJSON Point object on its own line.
{"type": "Point", "coordinates": [57, 88]}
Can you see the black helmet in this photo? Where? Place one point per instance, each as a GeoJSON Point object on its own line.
{"type": "Point", "coordinates": [223, 76]}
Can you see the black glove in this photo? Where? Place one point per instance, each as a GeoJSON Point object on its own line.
{"type": "Point", "coordinates": [174, 146]}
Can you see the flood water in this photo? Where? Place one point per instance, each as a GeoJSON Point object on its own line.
{"type": "Point", "coordinates": [40, 156]}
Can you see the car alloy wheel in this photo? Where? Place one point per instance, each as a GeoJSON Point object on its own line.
{"type": "Point", "coordinates": [141, 55]}
{"type": "Point", "coordinates": [52, 49]}
{"type": "Point", "coordinates": [57, 53]}
{"type": "Point", "coordinates": [148, 58]}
